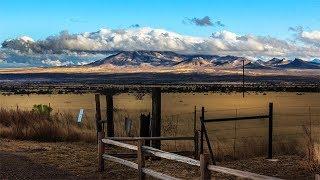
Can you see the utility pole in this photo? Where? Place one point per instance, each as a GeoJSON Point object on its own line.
{"type": "Point", "coordinates": [242, 78]}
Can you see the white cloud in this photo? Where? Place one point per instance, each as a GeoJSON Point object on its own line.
{"type": "Point", "coordinates": [312, 37]}
{"type": "Point", "coordinates": [220, 43]}
{"type": "Point", "coordinates": [17, 58]}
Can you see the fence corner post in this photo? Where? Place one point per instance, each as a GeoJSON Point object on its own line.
{"type": "Point", "coordinates": [204, 171]}
{"type": "Point", "coordinates": [140, 158]}
{"type": "Point", "coordinates": [270, 134]}
{"type": "Point", "coordinates": [101, 151]}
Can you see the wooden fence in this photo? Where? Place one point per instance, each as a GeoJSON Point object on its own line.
{"type": "Point", "coordinates": [205, 168]}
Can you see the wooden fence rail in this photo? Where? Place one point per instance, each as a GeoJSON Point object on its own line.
{"type": "Point", "coordinates": [205, 168]}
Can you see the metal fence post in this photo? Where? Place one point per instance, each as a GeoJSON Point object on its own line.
{"type": "Point", "coordinates": [270, 130]}
{"type": "Point", "coordinates": [196, 144]}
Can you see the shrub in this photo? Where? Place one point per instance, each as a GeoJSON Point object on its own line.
{"type": "Point", "coordinates": [42, 109]}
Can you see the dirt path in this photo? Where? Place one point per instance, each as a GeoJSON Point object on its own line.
{"type": "Point", "coordinates": [35, 160]}
{"type": "Point", "coordinates": [15, 166]}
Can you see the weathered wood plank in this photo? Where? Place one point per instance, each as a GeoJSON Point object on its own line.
{"type": "Point", "coordinates": [134, 155]}
{"type": "Point", "coordinates": [238, 173]}
{"type": "Point", "coordinates": [170, 156]}
{"type": "Point", "coordinates": [101, 150]}
{"type": "Point", "coordinates": [175, 157]}
{"type": "Point", "coordinates": [140, 158]}
{"type": "Point", "coordinates": [133, 165]}
{"type": "Point", "coordinates": [120, 144]}
{"type": "Point", "coordinates": [204, 171]}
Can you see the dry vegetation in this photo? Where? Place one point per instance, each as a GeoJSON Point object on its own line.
{"type": "Point", "coordinates": [32, 125]}
{"type": "Point", "coordinates": [296, 156]}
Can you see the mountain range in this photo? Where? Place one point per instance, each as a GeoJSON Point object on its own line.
{"type": "Point", "coordinates": [172, 59]}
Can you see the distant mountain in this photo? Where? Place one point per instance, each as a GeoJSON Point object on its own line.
{"type": "Point", "coordinates": [172, 59]}
{"type": "Point", "coordinates": [316, 61]}
{"type": "Point", "coordinates": [276, 62]}
{"type": "Point", "coordinates": [136, 58]}
{"type": "Point", "coordinates": [299, 64]}
{"type": "Point", "coordinates": [256, 65]}
{"type": "Point", "coordinates": [196, 61]}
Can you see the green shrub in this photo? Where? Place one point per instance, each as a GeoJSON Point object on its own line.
{"type": "Point", "coordinates": [42, 109]}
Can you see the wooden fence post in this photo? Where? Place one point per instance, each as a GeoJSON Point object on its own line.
{"type": "Point", "coordinates": [110, 123]}
{"type": "Point", "coordinates": [270, 130]}
{"type": "Point", "coordinates": [204, 171]}
{"type": "Point", "coordinates": [195, 119]}
{"type": "Point", "coordinates": [98, 115]}
{"type": "Point", "coordinates": [101, 150]}
{"type": "Point", "coordinates": [140, 157]}
{"type": "Point", "coordinates": [145, 127]}
{"type": "Point", "coordinates": [196, 144]}
{"type": "Point", "coordinates": [202, 130]}
{"type": "Point", "coordinates": [156, 117]}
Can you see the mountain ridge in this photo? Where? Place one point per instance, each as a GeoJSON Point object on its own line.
{"type": "Point", "coordinates": [173, 59]}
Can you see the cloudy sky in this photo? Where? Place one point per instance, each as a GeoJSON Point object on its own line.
{"type": "Point", "coordinates": [47, 32]}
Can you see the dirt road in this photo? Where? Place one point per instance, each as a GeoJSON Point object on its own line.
{"type": "Point", "coordinates": [62, 160]}
{"type": "Point", "coordinates": [15, 166]}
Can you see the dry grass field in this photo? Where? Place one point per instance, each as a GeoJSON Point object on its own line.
{"type": "Point", "coordinates": [296, 119]}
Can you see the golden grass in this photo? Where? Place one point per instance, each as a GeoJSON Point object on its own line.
{"type": "Point", "coordinates": [29, 125]}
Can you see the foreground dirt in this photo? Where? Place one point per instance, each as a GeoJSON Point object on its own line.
{"type": "Point", "coordinates": [34, 160]}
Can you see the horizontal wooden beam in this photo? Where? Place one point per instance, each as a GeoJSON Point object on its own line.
{"type": "Point", "coordinates": [238, 173]}
{"type": "Point", "coordinates": [175, 157]}
{"type": "Point", "coordinates": [236, 118]}
{"type": "Point", "coordinates": [133, 165]}
{"type": "Point", "coordinates": [120, 144]}
{"type": "Point", "coordinates": [170, 156]}
{"type": "Point", "coordinates": [150, 138]}
{"type": "Point", "coordinates": [134, 155]}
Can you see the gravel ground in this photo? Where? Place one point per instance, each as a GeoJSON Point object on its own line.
{"type": "Point", "coordinates": [15, 166]}
{"type": "Point", "coordinates": [34, 160]}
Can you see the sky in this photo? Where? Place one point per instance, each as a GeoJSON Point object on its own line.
{"type": "Point", "coordinates": [250, 28]}
{"type": "Point", "coordinates": [39, 19]}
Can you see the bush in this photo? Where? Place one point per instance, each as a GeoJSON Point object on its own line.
{"type": "Point", "coordinates": [42, 109]}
